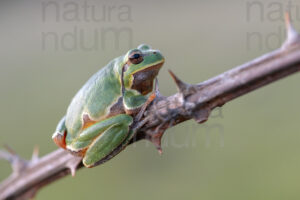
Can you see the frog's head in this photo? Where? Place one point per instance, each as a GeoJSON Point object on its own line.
{"type": "Point", "coordinates": [141, 67]}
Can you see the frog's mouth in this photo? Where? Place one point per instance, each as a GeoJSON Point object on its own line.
{"type": "Point", "coordinates": [143, 79]}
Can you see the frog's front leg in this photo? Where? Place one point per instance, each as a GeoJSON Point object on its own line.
{"type": "Point", "coordinates": [102, 138]}
{"type": "Point", "coordinates": [136, 103]}
{"type": "Point", "coordinates": [60, 133]}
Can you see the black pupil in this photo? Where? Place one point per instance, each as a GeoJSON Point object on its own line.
{"type": "Point", "coordinates": [136, 56]}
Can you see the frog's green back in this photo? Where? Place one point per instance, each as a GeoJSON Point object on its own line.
{"type": "Point", "coordinates": [95, 97]}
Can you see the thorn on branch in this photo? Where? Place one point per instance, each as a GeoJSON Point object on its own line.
{"type": "Point", "coordinates": [155, 136]}
{"type": "Point", "coordinates": [17, 163]}
{"type": "Point", "coordinates": [35, 155]}
{"type": "Point", "coordinates": [156, 89]}
{"type": "Point", "coordinates": [292, 34]}
{"type": "Point", "coordinates": [155, 139]}
{"type": "Point", "coordinates": [184, 88]}
{"type": "Point", "coordinates": [73, 165]}
{"type": "Point", "coordinates": [202, 115]}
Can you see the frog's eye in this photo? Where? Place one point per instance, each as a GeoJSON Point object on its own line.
{"type": "Point", "coordinates": [136, 57]}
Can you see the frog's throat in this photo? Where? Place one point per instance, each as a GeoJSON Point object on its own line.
{"type": "Point", "coordinates": [140, 75]}
{"type": "Point", "coordinates": [142, 80]}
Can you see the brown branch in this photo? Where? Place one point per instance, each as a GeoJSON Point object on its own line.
{"type": "Point", "coordinates": [192, 101]}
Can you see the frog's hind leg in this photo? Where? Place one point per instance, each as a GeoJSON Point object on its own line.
{"type": "Point", "coordinates": [105, 144]}
{"type": "Point", "coordinates": [100, 139]}
{"type": "Point", "coordinates": [59, 136]}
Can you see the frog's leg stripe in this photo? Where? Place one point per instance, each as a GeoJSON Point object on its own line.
{"type": "Point", "coordinates": [122, 80]}
{"type": "Point", "coordinates": [105, 144]}
{"type": "Point", "coordinates": [59, 137]}
{"type": "Point", "coordinates": [87, 121]}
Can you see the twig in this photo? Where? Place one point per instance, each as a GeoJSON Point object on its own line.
{"type": "Point", "coordinates": [192, 101]}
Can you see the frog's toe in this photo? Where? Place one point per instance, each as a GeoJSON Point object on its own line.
{"type": "Point", "coordinates": [60, 139]}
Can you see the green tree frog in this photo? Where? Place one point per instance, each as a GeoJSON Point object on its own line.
{"type": "Point", "coordinates": [99, 117]}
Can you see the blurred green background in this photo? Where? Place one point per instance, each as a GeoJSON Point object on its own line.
{"type": "Point", "coordinates": [249, 149]}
